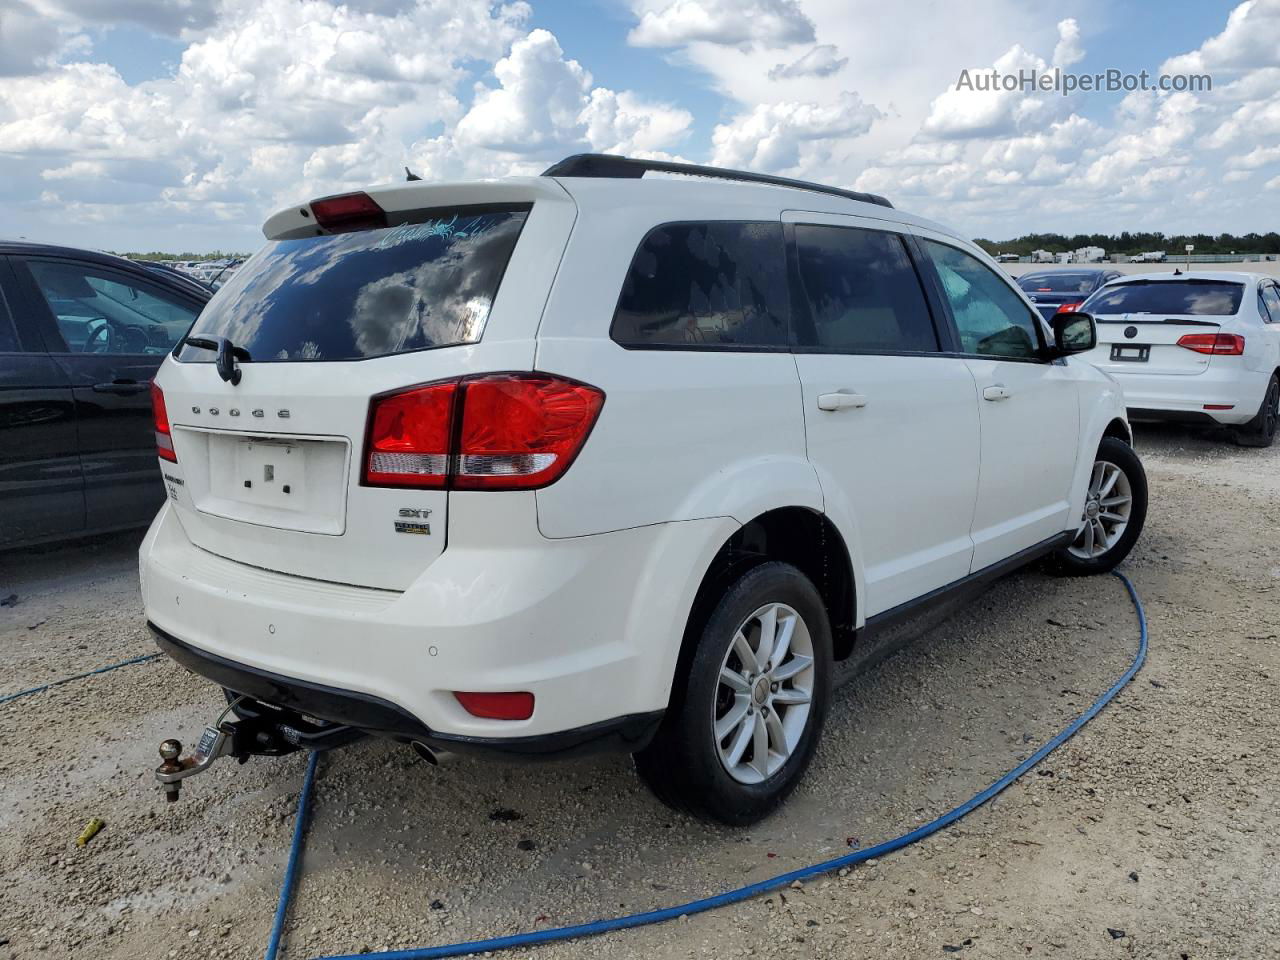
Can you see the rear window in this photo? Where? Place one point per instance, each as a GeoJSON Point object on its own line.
{"type": "Point", "coordinates": [1058, 283]}
{"type": "Point", "coordinates": [1214, 298]}
{"type": "Point", "coordinates": [705, 285]}
{"type": "Point", "coordinates": [372, 293]}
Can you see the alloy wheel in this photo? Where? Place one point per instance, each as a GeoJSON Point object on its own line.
{"type": "Point", "coordinates": [1107, 507]}
{"type": "Point", "coordinates": [765, 693]}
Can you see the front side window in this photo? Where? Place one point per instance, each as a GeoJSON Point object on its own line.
{"type": "Point", "coordinates": [369, 293]}
{"type": "Point", "coordinates": [1205, 298]}
{"type": "Point", "coordinates": [862, 291]}
{"type": "Point", "coordinates": [100, 311]}
{"type": "Point", "coordinates": [990, 317]}
{"type": "Point", "coordinates": [705, 285]}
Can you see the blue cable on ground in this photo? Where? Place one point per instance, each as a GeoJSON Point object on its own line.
{"type": "Point", "coordinates": [79, 676]}
{"type": "Point", "coordinates": [721, 899]}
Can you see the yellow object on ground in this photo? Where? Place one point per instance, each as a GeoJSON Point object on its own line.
{"type": "Point", "coordinates": [89, 832]}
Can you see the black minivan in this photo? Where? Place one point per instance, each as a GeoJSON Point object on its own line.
{"type": "Point", "coordinates": [81, 336]}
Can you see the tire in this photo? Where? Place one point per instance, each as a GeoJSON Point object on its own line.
{"type": "Point", "coordinates": [686, 765]}
{"type": "Point", "coordinates": [1261, 430]}
{"type": "Point", "coordinates": [1110, 541]}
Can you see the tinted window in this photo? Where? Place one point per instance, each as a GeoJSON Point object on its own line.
{"type": "Point", "coordinates": [705, 285]}
{"type": "Point", "coordinates": [1271, 296]}
{"type": "Point", "coordinates": [1058, 282]}
{"type": "Point", "coordinates": [371, 293]}
{"type": "Point", "coordinates": [991, 318]}
{"type": "Point", "coordinates": [8, 336]}
{"type": "Point", "coordinates": [1186, 297]}
{"type": "Point", "coordinates": [100, 311]}
{"type": "Point", "coordinates": [862, 290]}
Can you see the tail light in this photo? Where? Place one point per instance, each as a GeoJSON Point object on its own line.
{"type": "Point", "coordinates": [1069, 307]}
{"type": "Point", "coordinates": [164, 439]}
{"type": "Point", "coordinates": [509, 431]}
{"type": "Point", "coordinates": [347, 212]}
{"type": "Point", "coordinates": [497, 706]}
{"type": "Point", "coordinates": [1214, 344]}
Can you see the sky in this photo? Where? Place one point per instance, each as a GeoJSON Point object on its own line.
{"type": "Point", "coordinates": [182, 124]}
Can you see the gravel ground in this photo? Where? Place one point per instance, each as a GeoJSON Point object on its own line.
{"type": "Point", "coordinates": [1151, 834]}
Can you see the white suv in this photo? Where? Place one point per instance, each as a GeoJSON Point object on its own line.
{"type": "Point", "coordinates": [1194, 347]}
{"type": "Point", "coordinates": [595, 459]}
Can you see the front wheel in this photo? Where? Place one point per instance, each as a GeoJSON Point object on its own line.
{"type": "Point", "coordinates": [745, 719]}
{"type": "Point", "coordinates": [1115, 508]}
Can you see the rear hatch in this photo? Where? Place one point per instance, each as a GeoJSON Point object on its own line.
{"type": "Point", "coordinates": [439, 283]}
{"type": "Point", "coordinates": [1166, 327]}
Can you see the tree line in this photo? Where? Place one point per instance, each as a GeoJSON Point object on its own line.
{"type": "Point", "coordinates": [1139, 242]}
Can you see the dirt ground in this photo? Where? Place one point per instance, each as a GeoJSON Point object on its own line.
{"type": "Point", "coordinates": [1151, 834]}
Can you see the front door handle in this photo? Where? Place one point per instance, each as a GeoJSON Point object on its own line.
{"type": "Point", "coordinates": [841, 401]}
{"type": "Point", "coordinates": [997, 391]}
{"type": "Point", "coordinates": [122, 388]}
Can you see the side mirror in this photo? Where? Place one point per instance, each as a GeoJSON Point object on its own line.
{"type": "Point", "coordinates": [1073, 333]}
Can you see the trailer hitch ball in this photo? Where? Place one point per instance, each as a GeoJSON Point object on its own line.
{"type": "Point", "coordinates": [170, 751]}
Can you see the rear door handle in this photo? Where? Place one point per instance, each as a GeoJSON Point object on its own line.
{"type": "Point", "coordinates": [841, 401]}
{"type": "Point", "coordinates": [121, 388]}
{"type": "Point", "coordinates": [997, 391]}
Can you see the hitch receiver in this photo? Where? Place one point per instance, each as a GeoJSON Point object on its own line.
{"type": "Point", "coordinates": [214, 743]}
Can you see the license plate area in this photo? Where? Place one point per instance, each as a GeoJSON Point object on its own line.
{"type": "Point", "coordinates": [286, 482]}
{"type": "Point", "coordinates": [1130, 352]}
{"type": "Point", "coordinates": [272, 473]}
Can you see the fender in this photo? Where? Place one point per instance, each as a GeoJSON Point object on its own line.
{"type": "Point", "coordinates": [1101, 402]}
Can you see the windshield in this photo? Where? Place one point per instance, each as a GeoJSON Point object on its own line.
{"type": "Point", "coordinates": [372, 293]}
{"type": "Point", "coordinates": [1058, 283]}
{"type": "Point", "coordinates": [1214, 298]}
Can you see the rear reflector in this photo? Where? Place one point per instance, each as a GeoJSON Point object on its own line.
{"type": "Point", "coordinates": [497, 706]}
{"type": "Point", "coordinates": [347, 212]}
{"type": "Point", "coordinates": [1219, 406]}
{"type": "Point", "coordinates": [1214, 344]}
{"type": "Point", "coordinates": [164, 439]}
{"type": "Point", "coordinates": [505, 431]}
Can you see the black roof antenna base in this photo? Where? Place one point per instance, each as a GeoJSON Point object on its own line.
{"type": "Point", "coordinates": [410, 175]}
{"type": "Point", "coordinates": [608, 166]}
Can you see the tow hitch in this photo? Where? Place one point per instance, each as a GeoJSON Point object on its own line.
{"type": "Point", "coordinates": [259, 730]}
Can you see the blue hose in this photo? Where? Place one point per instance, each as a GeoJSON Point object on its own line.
{"type": "Point", "coordinates": [720, 899]}
{"type": "Point", "coordinates": [79, 676]}
{"type": "Point", "coordinates": [295, 857]}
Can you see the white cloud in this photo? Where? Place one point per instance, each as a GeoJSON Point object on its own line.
{"type": "Point", "coordinates": [822, 61]}
{"type": "Point", "coordinates": [763, 23]}
{"type": "Point", "coordinates": [1068, 51]}
{"type": "Point", "coordinates": [1247, 42]}
{"type": "Point", "coordinates": [771, 137]}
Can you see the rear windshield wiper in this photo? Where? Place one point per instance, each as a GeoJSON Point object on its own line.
{"type": "Point", "coordinates": [227, 352]}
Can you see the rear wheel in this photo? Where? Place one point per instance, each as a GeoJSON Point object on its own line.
{"type": "Point", "coordinates": [1115, 508]}
{"type": "Point", "coordinates": [745, 719]}
{"type": "Point", "coordinates": [1261, 430]}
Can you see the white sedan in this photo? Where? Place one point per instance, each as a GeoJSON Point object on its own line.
{"type": "Point", "coordinates": [1194, 347]}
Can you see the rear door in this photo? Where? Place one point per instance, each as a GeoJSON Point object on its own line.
{"type": "Point", "coordinates": [1152, 326]}
{"type": "Point", "coordinates": [1029, 407]}
{"type": "Point", "coordinates": [891, 421]}
{"type": "Point", "coordinates": [108, 330]}
{"type": "Point", "coordinates": [41, 485]}
{"type": "Point", "coordinates": [269, 467]}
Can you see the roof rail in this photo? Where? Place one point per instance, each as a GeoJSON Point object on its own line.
{"type": "Point", "coordinates": [609, 166]}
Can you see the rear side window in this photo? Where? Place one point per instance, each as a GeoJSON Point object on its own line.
{"type": "Point", "coordinates": [1271, 297]}
{"type": "Point", "coordinates": [8, 336]}
{"type": "Point", "coordinates": [862, 291]}
{"type": "Point", "coordinates": [371, 293]}
{"type": "Point", "coordinates": [705, 285]}
{"type": "Point", "coordinates": [1216, 298]}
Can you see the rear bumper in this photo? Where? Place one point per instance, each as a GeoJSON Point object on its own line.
{"type": "Point", "coordinates": [590, 625]}
{"type": "Point", "coordinates": [381, 717]}
{"type": "Point", "coordinates": [1184, 398]}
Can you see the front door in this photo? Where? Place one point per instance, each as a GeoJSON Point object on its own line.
{"type": "Point", "coordinates": [1030, 409]}
{"type": "Point", "coordinates": [891, 422]}
{"type": "Point", "coordinates": [108, 331]}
